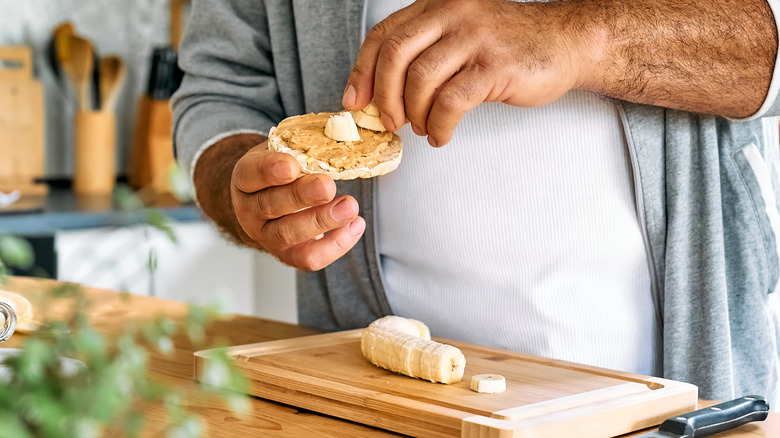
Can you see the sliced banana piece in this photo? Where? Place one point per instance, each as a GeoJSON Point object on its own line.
{"type": "Point", "coordinates": [371, 110]}
{"type": "Point", "coordinates": [488, 383]}
{"type": "Point", "coordinates": [368, 118]}
{"type": "Point", "coordinates": [403, 346]}
{"type": "Point", "coordinates": [341, 127]}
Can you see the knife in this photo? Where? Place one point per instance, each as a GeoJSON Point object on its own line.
{"type": "Point", "coordinates": [714, 419]}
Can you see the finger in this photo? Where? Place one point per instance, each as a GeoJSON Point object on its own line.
{"type": "Point", "coordinates": [275, 202]}
{"type": "Point", "coordinates": [306, 225]}
{"type": "Point", "coordinates": [317, 254]}
{"type": "Point", "coordinates": [260, 168]}
{"type": "Point", "coordinates": [463, 92]}
{"type": "Point", "coordinates": [395, 56]}
{"type": "Point", "coordinates": [432, 69]}
{"type": "Point", "coordinates": [360, 85]}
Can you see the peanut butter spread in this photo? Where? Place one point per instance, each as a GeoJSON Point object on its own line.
{"type": "Point", "coordinates": [306, 133]}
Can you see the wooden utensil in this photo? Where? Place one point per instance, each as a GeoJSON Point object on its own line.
{"type": "Point", "coordinates": [177, 13]}
{"type": "Point", "coordinates": [112, 76]}
{"type": "Point", "coordinates": [544, 397]}
{"type": "Point", "coordinates": [59, 55]}
{"type": "Point", "coordinates": [82, 57]}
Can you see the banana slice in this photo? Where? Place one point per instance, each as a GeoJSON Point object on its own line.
{"type": "Point", "coordinates": [371, 110]}
{"type": "Point", "coordinates": [488, 383]}
{"type": "Point", "coordinates": [341, 127]}
{"type": "Point", "coordinates": [25, 318]}
{"type": "Point", "coordinates": [403, 346]}
{"type": "Point", "coordinates": [368, 118]}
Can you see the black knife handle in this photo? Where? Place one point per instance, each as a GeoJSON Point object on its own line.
{"type": "Point", "coordinates": [718, 418]}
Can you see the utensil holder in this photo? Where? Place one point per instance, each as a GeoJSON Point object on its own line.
{"type": "Point", "coordinates": [95, 152]}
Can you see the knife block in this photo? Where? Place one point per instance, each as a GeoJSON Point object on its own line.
{"type": "Point", "coordinates": [95, 152]}
{"type": "Point", "coordinates": [152, 159]}
{"type": "Point", "coordinates": [21, 124]}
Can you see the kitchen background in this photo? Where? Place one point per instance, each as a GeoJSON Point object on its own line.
{"type": "Point", "coordinates": [202, 266]}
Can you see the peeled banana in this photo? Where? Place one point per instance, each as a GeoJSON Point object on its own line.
{"type": "Point", "coordinates": [368, 118]}
{"type": "Point", "coordinates": [404, 346]}
{"type": "Point", "coordinates": [341, 127]}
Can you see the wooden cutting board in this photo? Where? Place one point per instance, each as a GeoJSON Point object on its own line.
{"type": "Point", "coordinates": [544, 398]}
{"type": "Point", "coordinates": [21, 123]}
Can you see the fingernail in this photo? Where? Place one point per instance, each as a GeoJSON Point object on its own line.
{"type": "Point", "coordinates": [342, 211]}
{"type": "Point", "coordinates": [432, 141]}
{"type": "Point", "coordinates": [315, 191]}
{"type": "Point", "coordinates": [417, 130]}
{"type": "Point", "coordinates": [357, 226]}
{"type": "Point", "coordinates": [350, 96]}
{"type": "Point", "coordinates": [281, 170]}
{"type": "Point", "coordinates": [388, 122]}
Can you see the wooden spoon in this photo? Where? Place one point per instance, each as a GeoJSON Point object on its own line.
{"type": "Point", "coordinates": [82, 58]}
{"type": "Point", "coordinates": [59, 56]}
{"type": "Point", "coordinates": [61, 46]}
{"type": "Point", "coordinates": [112, 76]}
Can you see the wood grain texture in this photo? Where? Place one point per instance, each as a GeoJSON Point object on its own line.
{"type": "Point", "coordinates": [266, 418]}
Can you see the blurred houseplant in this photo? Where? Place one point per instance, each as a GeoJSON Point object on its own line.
{"type": "Point", "coordinates": [42, 399]}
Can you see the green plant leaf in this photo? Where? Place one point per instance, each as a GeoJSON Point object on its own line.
{"type": "Point", "coordinates": [3, 273]}
{"type": "Point", "coordinates": [125, 199]}
{"type": "Point", "coordinates": [180, 185]}
{"type": "Point", "coordinates": [65, 290]}
{"type": "Point", "coordinates": [238, 402]}
{"type": "Point", "coordinates": [11, 426]}
{"type": "Point", "coordinates": [189, 428]}
{"type": "Point", "coordinates": [151, 261]}
{"type": "Point", "coordinates": [158, 220]}
{"type": "Point", "coordinates": [46, 402]}
{"type": "Point", "coordinates": [17, 252]}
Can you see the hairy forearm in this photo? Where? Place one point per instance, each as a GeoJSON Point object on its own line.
{"type": "Point", "coordinates": [212, 177]}
{"type": "Point", "coordinates": [712, 57]}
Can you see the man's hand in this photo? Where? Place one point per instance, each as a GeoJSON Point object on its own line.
{"type": "Point", "coordinates": [434, 60]}
{"type": "Point", "coordinates": [295, 219]}
{"type": "Point", "coordinates": [257, 197]}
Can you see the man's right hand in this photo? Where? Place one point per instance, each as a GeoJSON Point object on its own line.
{"type": "Point", "coordinates": [297, 220]}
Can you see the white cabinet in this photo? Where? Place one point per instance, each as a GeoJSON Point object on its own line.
{"type": "Point", "coordinates": [200, 268]}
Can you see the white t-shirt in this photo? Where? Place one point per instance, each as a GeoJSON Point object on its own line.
{"type": "Point", "coordinates": [521, 233]}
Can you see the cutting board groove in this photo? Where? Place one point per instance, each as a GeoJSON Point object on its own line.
{"type": "Point", "coordinates": [544, 397]}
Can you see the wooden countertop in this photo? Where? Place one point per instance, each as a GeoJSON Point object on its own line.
{"type": "Point", "coordinates": [265, 418]}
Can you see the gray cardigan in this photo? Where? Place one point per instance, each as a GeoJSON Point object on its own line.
{"type": "Point", "coordinates": [704, 187]}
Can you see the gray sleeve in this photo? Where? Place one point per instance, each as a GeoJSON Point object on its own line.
{"type": "Point", "coordinates": [229, 84]}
